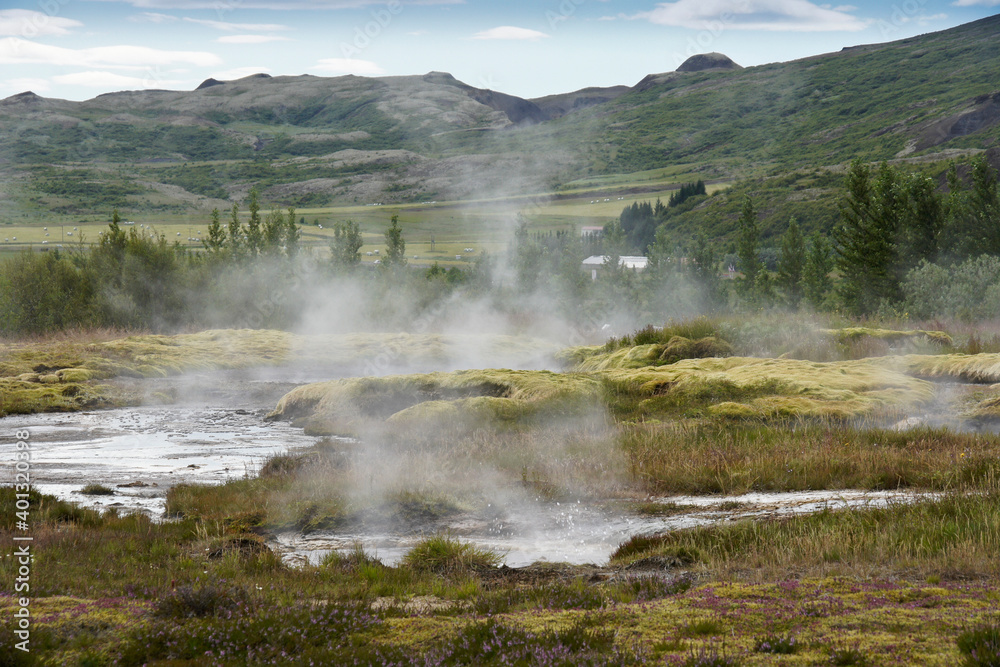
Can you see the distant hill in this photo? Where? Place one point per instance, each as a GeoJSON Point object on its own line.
{"type": "Point", "coordinates": [315, 140]}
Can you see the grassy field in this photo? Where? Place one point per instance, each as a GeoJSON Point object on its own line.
{"type": "Point", "coordinates": [434, 232]}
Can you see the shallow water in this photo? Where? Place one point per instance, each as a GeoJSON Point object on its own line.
{"type": "Point", "coordinates": [581, 533]}
{"type": "Point", "coordinates": [216, 431]}
{"type": "Point", "coordinates": [152, 448]}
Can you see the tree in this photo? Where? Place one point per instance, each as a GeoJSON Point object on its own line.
{"type": "Point", "coordinates": [791, 264]}
{"type": "Point", "coordinates": [273, 233]}
{"type": "Point", "coordinates": [395, 246]}
{"type": "Point", "coordinates": [816, 282]}
{"type": "Point", "coordinates": [747, 242]}
{"type": "Point", "coordinates": [347, 241]}
{"type": "Point", "coordinates": [235, 233]}
{"type": "Point", "coordinates": [705, 267]}
{"type": "Point", "coordinates": [615, 243]}
{"type": "Point", "coordinates": [292, 234]}
{"type": "Point", "coordinates": [866, 238]}
{"type": "Point", "coordinates": [254, 236]}
{"type": "Point", "coordinates": [526, 257]}
{"type": "Point", "coordinates": [216, 241]}
{"type": "Point", "coordinates": [922, 225]}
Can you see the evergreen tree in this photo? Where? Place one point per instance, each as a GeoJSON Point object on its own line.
{"type": "Point", "coordinates": [922, 223]}
{"type": "Point", "coordinates": [985, 206]}
{"type": "Point", "coordinates": [747, 242]}
{"type": "Point", "coordinates": [660, 254]}
{"type": "Point", "coordinates": [216, 241]}
{"type": "Point", "coordinates": [235, 233]}
{"type": "Point", "coordinates": [866, 238]}
{"type": "Point", "coordinates": [395, 246]}
{"type": "Point", "coordinates": [526, 256]}
{"type": "Point", "coordinates": [291, 234]}
{"type": "Point", "coordinates": [791, 264]}
{"type": "Point", "coordinates": [816, 282]}
{"type": "Point", "coordinates": [347, 241]}
{"type": "Point", "coordinates": [272, 233]}
{"type": "Point", "coordinates": [705, 268]}
{"type": "Point", "coordinates": [614, 246]}
{"type": "Point", "coordinates": [254, 235]}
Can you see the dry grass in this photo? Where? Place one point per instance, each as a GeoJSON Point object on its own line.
{"type": "Point", "coordinates": [734, 459]}
{"type": "Point", "coordinates": [957, 536]}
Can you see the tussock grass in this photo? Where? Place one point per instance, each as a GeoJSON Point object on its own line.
{"type": "Point", "coordinates": [689, 458]}
{"type": "Point", "coordinates": [446, 555]}
{"type": "Point", "coordinates": [97, 490]}
{"type": "Point", "coordinates": [957, 535]}
{"type": "Point", "coordinates": [978, 368]}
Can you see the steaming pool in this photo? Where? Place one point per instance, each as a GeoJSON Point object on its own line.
{"type": "Point", "coordinates": [216, 432]}
{"type": "Point", "coordinates": [142, 452]}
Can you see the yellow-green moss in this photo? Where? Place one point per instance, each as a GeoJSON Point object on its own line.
{"type": "Point", "coordinates": [890, 335]}
{"type": "Point", "coordinates": [734, 387]}
{"type": "Point", "coordinates": [152, 356]}
{"type": "Point", "coordinates": [597, 358]}
{"type": "Point", "coordinates": [964, 367]}
{"type": "Point", "coordinates": [460, 398]}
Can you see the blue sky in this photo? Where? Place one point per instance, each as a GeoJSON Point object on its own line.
{"type": "Point", "coordinates": [77, 49]}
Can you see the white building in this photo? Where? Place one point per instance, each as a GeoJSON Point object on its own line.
{"type": "Point", "coordinates": [595, 263]}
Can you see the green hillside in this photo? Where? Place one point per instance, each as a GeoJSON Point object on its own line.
{"type": "Point", "coordinates": [312, 141]}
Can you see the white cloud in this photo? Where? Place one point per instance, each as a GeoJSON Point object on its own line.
{"type": "Point", "coordinates": [510, 32]}
{"type": "Point", "coordinates": [15, 51]}
{"type": "Point", "coordinates": [250, 39]}
{"type": "Point", "coordinates": [152, 17]}
{"type": "Point", "coordinates": [25, 84]}
{"type": "Point", "coordinates": [277, 5]}
{"type": "Point", "coordinates": [239, 73]}
{"type": "Point", "coordinates": [973, 3]}
{"type": "Point", "coordinates": [29, 23]}
{"type": "Point", "coordinates": [771, 15]}
{"type": "Point", "coordinates": [239, 27]}
{"type": "Point", "coordinates": [349, 66]}
{"type": "Point", "coordinates": [95, 79]}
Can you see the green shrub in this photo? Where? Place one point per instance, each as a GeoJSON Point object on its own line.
{"type": "Point", "coordinates": [207, 600]}
{"type": "Point", "coordinates": [981, 646]}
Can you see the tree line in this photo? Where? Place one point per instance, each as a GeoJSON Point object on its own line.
{"type": "Point", "coordinates": [897, 228]}
{"type": "Point", "coordinates": [904, 245]}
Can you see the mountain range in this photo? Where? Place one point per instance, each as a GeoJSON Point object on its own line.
{"type": "Point", "coordinates": [311, 140]}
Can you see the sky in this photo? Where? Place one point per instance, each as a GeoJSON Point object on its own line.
{"type": "Point", "coordinates": [78, 49]}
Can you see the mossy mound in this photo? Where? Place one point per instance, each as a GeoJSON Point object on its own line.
{"type": "Point", "coordinates": [743, 387]}
{"type": "Point", "coordinates": [437, 400]}
{"type": "Point", "coordinates": [597, 358]}
{"type": "Point", "coordinates": [731, 388]}
{"type": "Point", "coordinates": [70, 370]}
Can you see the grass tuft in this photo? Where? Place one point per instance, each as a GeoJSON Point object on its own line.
{"type": "Point", "coordinates": [443, 554]}
{"type": "Point", "coordinates": [97, 490]}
